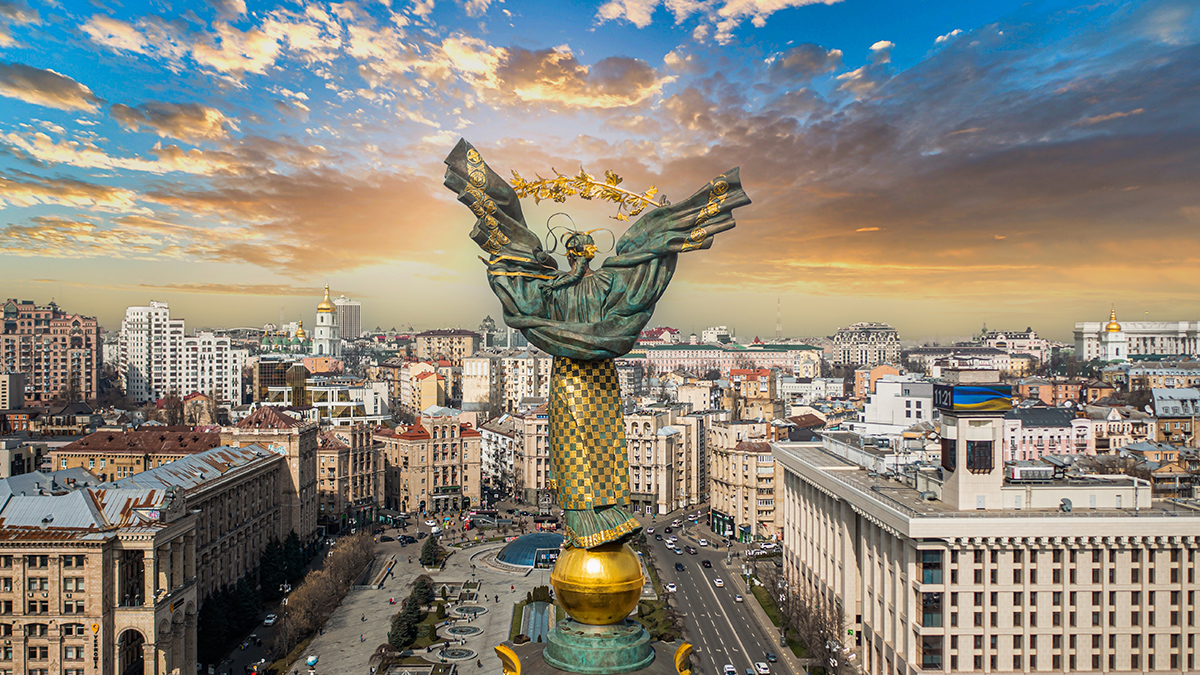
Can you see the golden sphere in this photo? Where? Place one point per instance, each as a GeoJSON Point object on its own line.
{"type": "Point", "coordinates": [598, 586]}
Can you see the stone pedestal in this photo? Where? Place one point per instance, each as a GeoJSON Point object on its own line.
{"type": "Point", "coordinates": [533, 659]}
{"type": "Point", "coordinates": [598, 650]}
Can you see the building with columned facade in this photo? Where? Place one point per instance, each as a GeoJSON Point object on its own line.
{"type": "Point", "coordinates": [970, 572]}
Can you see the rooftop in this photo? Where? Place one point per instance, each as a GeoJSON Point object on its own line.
{"type": "Point", "coordinates": [146, 441]}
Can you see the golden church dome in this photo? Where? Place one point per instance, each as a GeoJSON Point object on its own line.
{"type": "Point", "coordinates": [1113, 326]}
{"type": "Point", "coordinates": [326, 305]}
{"type": "Point", "coordinates": [300, 332]}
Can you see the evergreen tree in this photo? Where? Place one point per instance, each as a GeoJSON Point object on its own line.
{"type": "Point", "coordinates": [293, 558]}
{"type": "Point", "coordinates": [246, 604]}
{"type": "Point", "coordinates": [429, 552]}
{"type": "Point", "coordinates": [212, 628]}
{"type": "Point", "coordinates": [272, 570]}
{"type": "Point", "coordinates": [422, 589]}
{"type": "Point", "coordinates": [404, 624]}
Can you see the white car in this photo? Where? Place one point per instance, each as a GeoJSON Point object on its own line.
{"type": "Point", "coordinates": [670, 588]}
{"type": "Point", "coordinates": [718, 583]}
{"type": "Point", "coordinates": [672, 539]}
{"type": "Point", "coordinates": [677, 522]}
{"type": "Point", "coordinates": [729, 670]}
{"type": "Point", "coordinates": [767, 546]}
{"type": "Point", "coordinates": [270, 620]}
{"type": "Point", "coordinates": [738, 598]}
{"type": "Point", "coordinates": [704, 542]}
{"type": "Point", "coordinates": [762, 669]}
{"type": "Point", "coordinates": [678, 551]}
{"type": "Point", "coordinates": [649, 530]}
{"type": "Point", "coordinates": [430, 523]}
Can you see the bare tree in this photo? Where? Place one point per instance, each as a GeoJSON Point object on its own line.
{"type": "Point", "coordinates": [820, 622]}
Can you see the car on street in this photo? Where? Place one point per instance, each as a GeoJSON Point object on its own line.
{"type": "Point", "coordinates": [670, 588]}
{"type": "Point", "coordinates": [762, 668]}
{"type": "Point", "coordinates": [706, 564]}
{"type": "Point", "coordinates": [658, 537]}
{"type": "Point", "coordinates": [718, 583]}
{"type": "Point", "coordinates": [270, 620]}
{"type": "Point", "coordinates": [386, 538]}
{"type": "Point", "coordinates": [676, 522]}
{"type": "Point", "coordinates": [672, 539]}
{"type": "Point", "coordinates": [691, 549]}
{"type": "Point", "coordinates": [678, 551]}
{"type": "Point", "coordinates": [679, 567]}
{"type": "Point", "coordinates": [729, 670]}
{"type": "Point", "coordinates": [771, 658]}
{"type": "Point", "coordinates": [738, 598]}
{"type": "Point", "coordinates": [704, 542]}
{"type": "Point", "coordinates": [430, 523]}
{"type": "Point", "coordinates": [408, 539]}
{"type": "Point", "coordinates": [767, 546]}
{"type": "Point", "coordinates": [649, 530]}
{"type": "Point", "coordinates": [667, 530]}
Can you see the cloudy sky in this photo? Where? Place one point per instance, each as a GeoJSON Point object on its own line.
{"type": "Point", "coordinates": [930, 164]}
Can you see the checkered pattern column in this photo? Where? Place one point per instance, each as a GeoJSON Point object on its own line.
{"type": "Point", "coordinates": [588, 461]}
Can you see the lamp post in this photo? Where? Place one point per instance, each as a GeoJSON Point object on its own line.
{"type": "Point", "coordinates": [285, 588]}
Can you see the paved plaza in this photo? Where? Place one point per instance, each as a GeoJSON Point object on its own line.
{"type": "Point", "coordinates": [340, 649]}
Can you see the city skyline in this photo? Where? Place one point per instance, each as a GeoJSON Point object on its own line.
{"type": "Point", "coordinates": [931, 167]}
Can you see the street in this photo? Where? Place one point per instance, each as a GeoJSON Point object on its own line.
{"type": "Point", "coordinates": [722, 630]}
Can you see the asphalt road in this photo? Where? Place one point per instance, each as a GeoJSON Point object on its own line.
{"type": "Point", "coordinates": [721, 629]}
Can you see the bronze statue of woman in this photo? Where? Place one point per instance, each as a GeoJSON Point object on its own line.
{"type": "Point", "coordinates": [585, 318]}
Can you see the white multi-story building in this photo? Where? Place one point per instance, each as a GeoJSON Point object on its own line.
{"type": "Point", "coordinates": [1018, 342]}
{"type": "Point", "coordinates": [971, 573]}
{"type": "Point", "coordinates": [897, 404]}
{"type": "Point", "coordinates": [866, 344]}
{"type": "Point", "coordinates": [497, 456]}
{"type": "Point", "coordinates": [1113, 341]}
{"type": "Point", "coordinates": [665, 457]}
{"type": "Point", "coordinates": [158, 358]}
{"type": "Point", "coordinates": [716, 335]}
{"type": "Point", "coordinates": [349, 317]}
{"type": "Point", "coordinates": [805, 390]}
{"type": "Point", "coordinates": [796, 359]}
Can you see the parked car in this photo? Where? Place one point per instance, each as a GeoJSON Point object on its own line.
{"type": "Point", "coordinates": [706, 564]}
{"type": "Point", "coordinates": [704, 542]}
{"type": "Point", "coordinates": [761, 669]}
{"type": "Point", "coordinates": [270, 620]}
{"type": "Point", "coordinates": [767, 546]}
{"type": "Point", "coordinates": [386, 538]}
{"type": "Point", "coordinates": [718, 583]}
{"type": "Point", "coordinates": [679, 567]}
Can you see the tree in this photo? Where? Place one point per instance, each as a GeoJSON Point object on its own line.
{"type": "Point", "coordinates": [272, 570]}
{"type": "Point", "coordinates": [404, 624]}
{"type": "Point", "coordinates": [293, 557]}
{"type": "Point", "coordinates": [422, 589]}
{"type": "Point", "coordinates": [429, 552]}
{"type": "Point", "coordinates": [820, 623]}
{"type": "Point", "coordinates": [212, 628]}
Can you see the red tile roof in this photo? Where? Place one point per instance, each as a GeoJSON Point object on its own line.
{"type": "Point", "coordinates": [145, 442]}
{"type": "Point", "coordinates": [267, 417]}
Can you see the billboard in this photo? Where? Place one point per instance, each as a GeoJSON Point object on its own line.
{"type": "Point", "coordinates": [972, 397]}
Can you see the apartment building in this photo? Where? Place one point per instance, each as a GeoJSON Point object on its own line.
{"type": "Point", "coordinates": [56, 353]}
{"type": "Point", "coordinates": [12, 391]}
{"type": "Point", "coordinates": [432, 465]}
{"type": "Point", "coordinates": [866, 344]}
{"type": "Point", "coordinates": [338, 401]}
{"type": "Point", "coordinates": [499, 381]}
{"type": "Point", "coordinates": [349, 318]}
{"type": "Point", "coordinates": [1032, 433]}
{"type": "Point", "coordinates": [349, 475]}
{"type": "Point", "coordinates": [157, 358]}
{"type": "Point", "coordinates": [498, 448]}
{"type": "Point", "coordinates": [531, 476]}
{"type": "Point", "coordinates": [1176, 411]}
{"type": "Point", "coordinates": [665, 448]}
{"type": "Point", "coordinates": [450, 344]}
{"type": "Point", "coordinates": [699, 359]}
{"type": "Point", "coordinates": [297, 440]}
{"type": "Point", "coordinates": [741, 477]}
{"type": "Point", "coordinates": [113, 455]}
{"type": "Point", "coordinates": [972, 573]}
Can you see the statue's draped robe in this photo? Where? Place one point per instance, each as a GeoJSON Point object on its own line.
{"type": "Point", "coordinates": [585, 325]}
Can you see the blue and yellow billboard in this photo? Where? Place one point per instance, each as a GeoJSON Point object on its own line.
{"type": "Point", "coordinates": [972, 397]}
